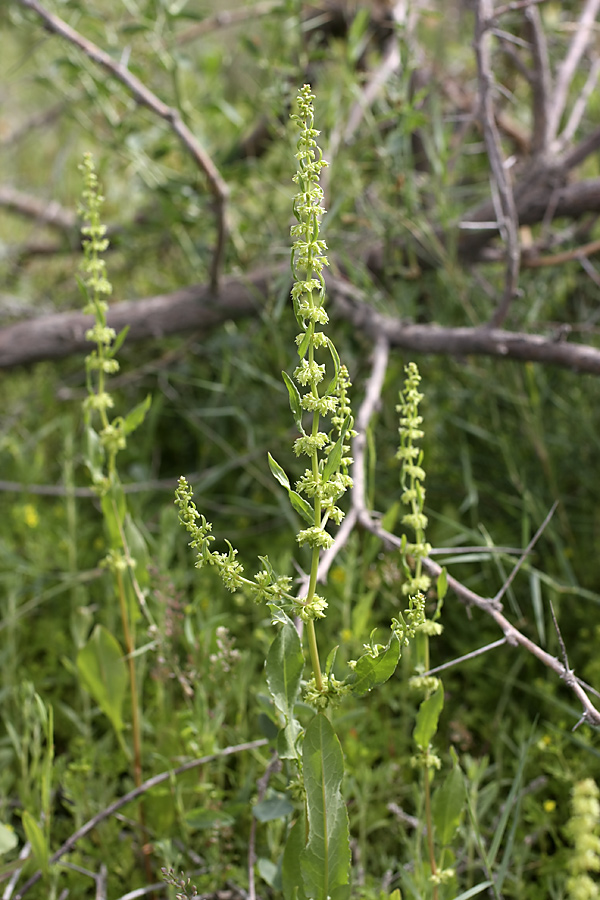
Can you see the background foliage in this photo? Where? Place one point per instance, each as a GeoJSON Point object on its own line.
{"type": "Point", "coordinates": [504, 439]}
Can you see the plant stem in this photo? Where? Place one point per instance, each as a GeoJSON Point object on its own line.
{"type": "Point", "coordinates": [430, 830]}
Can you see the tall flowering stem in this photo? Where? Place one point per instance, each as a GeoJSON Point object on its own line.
{"type": "Point", "coordinates": [326, 477]}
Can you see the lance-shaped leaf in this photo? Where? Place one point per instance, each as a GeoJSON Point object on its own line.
{"type": "Point", "coordinates": [284, 666]}
{"type": "Point", "coordinates": [371, 671]}
{"type": "Point", "coordinates": [291, 876]}
{"type": "Point", "coordinates": [448, 803]}
{"type": "Point", "coordinates": [298, 502]}
{"type": "Point", "coordinates": [335, 456]}
{"type": "Point", "coordinates": [137, 415]}
{"type": "Point", "coordinates": [427, 717]}
{"type": "Point", "coordinates": [295, 404]}
{"type": "Point", "coordinates": [325, 862]}
{"type": "Point", "coordinates": [103, 672]}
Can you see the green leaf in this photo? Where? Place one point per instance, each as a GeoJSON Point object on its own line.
{"type": "Point", "coordinates": [272, 808]}
{"type": "Point", "coordinates": [442, 584]}
{"type": "Point", "coordinates": [201, 819]}
{"type": "Point", "coordinates": [8, 839]}
{"type": "Point", "coordinates": [278, 473]}
{"type": "Point", "coordinates": [336, 364]}
{"type": "Point", "coordinates": [284, 667]}
{"type": "Point", "coordinates": [371, 671]}
{"type": "Point", "coordinates": [35, 836]}
{"type": "Point", "coordinates": [94, 455]}
{"type": "Point", "coordinates": [295, 404]}
{"type": "Point", "coordinates": [304, 343]}
{"type": "Point", "coordinates": [335, 456]}
{"type": "Point", "coordinates": [427, 717]}
{"type": "Point", "coordinates": [118, 342]}
{"type": "Point", "coordinates": [448, 804]}
{"type": "Point", "coordinates": [269, 872]}
{"type": "Point", "coordinates": [114, 510]}
{"type": "Point", "coordinates": [291, 875]}
{"type": "Point", "coordinates": [325, 861]}
{"type": "Point", "coordinates": [302, 507]}
{"type": "Point", "coordinates": [103, 672]}
{"type": "Point", "coordinates": [137, 415]}
{"type": "Point", "coordinates": [139, 551]}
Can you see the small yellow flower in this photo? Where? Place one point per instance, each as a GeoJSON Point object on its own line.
{"type": "Point", "coordinates": [549, 806]}
{"type": "Point", "coordinates": [30, 516]}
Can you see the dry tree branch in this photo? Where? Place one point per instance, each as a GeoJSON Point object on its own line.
{"type": "Point", "coordinates": [227, 18]}
{"type": "Point", "coordinates": [133, 795]}
{"type": "Point", "coordinates": [145, 97]}
{"type": "Point", "coordinates": [556, 259]}
{"type": "Point", "coordinates": [514, 6]}
{"type": "Point", "coordinates": [580, 104]}
{"type": "Point", "coordinates": [51, 214]}
{"type": "Point", "coordinates": [506, 212]}
{"type": "Point", "coordinates": [540, 80]}
{"type": "Point", "coordinates": [568, 69]}
{"type": "Point", "coordinates": [197, 308]}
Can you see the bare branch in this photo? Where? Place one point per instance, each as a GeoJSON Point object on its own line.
{"type": "Point", "coordinates": [557, 259]}
{"type": "Point", "coordinates": [525, 554]}
{"type": "Point", "coordinates": [506, 213]}
{"type": "Point", "coordinates": [540, 80]}
{"type": "Point", "coordinates": [145, 97]}
{"type": "Point", "coordinates": [472, 655]}
{"type": "Point", "coordinates": [197, 308]}
{"type": "Point", "coordinates": [227, 18]}
{"type": "Point", "coordinates": [52, 214]}
{"type": "Point", "coordinates": [568, 68]}
{"type": "Point", "coordinates": [514, 6]}
{"type": "Point", "coordinates": [580, 105]}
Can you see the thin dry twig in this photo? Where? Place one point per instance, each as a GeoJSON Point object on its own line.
{"type": "Point", "coordinates": [506, 212]}
{"type": "Point", "coordinates": [525, 553]}
{"type": "Point", "coordinates": [569, 67]}
{"type": "Point", "coordinates": [540, 80]}
{"type": "Point", "coordinates": [133, 795]}
{"type": "Point", "coordinates": [145, 97]}
{"type": "Point", "coordinates": [556, 259]}
{"type": "Point", "coordinates": [461, 659]}
{"type": "Point", "coordinates": [513, 7]}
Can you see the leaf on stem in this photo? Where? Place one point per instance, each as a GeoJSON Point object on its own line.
{"type": "Point", "coordinates": [103, 672]}
{"type": "Point", "coordinates": [325, 861]}
{"type": "Point", "coordinates": [298, 502]}
{"type": "Point", "coordinates": [427, 717]}
{"type": "Point", "coordinates": [370, 671]}
{"type": "Point", "coordinates": [137, 415]}
{"type": "Point", "coordinates": [448, 803]}
{"type": "Point", "coordinates": [295, 404]}
{"type": "Point", "coordinates": [284, 666]}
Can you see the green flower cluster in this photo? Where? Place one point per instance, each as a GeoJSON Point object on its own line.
{"type": "Point", "coordinates": [265, 587]}
{"type": "Point", "coordinates": [582, 830]}
{"type": "Point", "coordinates": [327, 478]}
{"type": "Point", "coordinates": [412, 476]}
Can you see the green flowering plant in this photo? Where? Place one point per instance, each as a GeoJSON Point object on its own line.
{"type": "Point", "coordinates": [316, 859]}
{"type": "Point", "coordinates": [442, 811]}
{"type": "Point", "coordinates": [106, 437]}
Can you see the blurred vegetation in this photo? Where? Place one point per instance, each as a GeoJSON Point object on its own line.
{"type": "Point", "coordinates": [504, 440]}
